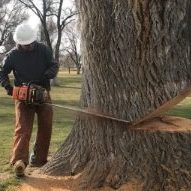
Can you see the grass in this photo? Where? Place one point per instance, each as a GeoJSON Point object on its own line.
{"type": "Point", "coordinates": [68, 93]}
{"type": "Point", "coordinates": [9, 184]}
{"type": "Point", "coordinates": [183, 109]}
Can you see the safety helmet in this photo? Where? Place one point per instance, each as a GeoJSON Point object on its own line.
{"type": "Point", "coordinates": [24, 34]}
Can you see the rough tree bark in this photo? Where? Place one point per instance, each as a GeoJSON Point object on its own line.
{"type": "Point", "coordinates": [136, 57]}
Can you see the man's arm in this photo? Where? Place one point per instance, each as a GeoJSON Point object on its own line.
{"type": "Point", "coordinates": [52, 71]}
{"type": "Point", "coordinates": [5, 69]}
{"type": "Point", "coordinates": [53, 67]}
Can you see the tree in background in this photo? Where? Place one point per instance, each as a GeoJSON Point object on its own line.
{"type": "Point", "coordinates": [51, 27]}
{"type": "Point", "coordinates": [3, 2]}
{"type": "Point", "coordinates": [137, 61]}
{"type": "Point", "coordinates": [67, 61]}
{"type": "Point", "coordinates": [72, 40]}
{"type": "Point", "coordinates": [11, 14]}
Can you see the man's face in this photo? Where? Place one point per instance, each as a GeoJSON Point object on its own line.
{"type": "Point", "coordinates": [28, 47]}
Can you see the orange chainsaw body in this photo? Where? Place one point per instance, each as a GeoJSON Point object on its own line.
{"type": "Point", "coordinates": [21, 93]}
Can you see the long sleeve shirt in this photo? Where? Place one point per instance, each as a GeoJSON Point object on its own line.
{"type": "Point", "coordinates": [29, 66]}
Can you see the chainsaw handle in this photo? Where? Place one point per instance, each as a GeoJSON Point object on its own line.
{"type": "Point", "coordinates": [29, 85]}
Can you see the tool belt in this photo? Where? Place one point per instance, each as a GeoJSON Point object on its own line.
{"type": "Point", "coordinates": [30, 94]}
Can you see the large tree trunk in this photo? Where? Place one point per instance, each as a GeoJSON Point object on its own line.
{"type": "Point", "coordinates": [136, 57]}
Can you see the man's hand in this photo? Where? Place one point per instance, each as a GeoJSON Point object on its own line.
{"type": "Point", "coordinates": [9, 90]}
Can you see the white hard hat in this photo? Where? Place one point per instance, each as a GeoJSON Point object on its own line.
{"type": "Point", "coordinates": [24, 34]}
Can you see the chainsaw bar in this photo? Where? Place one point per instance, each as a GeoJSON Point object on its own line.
{"type": "Point", "coordinates": [88, 112]}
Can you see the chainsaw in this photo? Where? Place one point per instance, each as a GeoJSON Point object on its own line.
{"type": "Point", "coordinates": [91, 112]}
{"type": "Point", "coordinates": [35, 95]}
{"type": "Point", "coordinates": [30, 94]}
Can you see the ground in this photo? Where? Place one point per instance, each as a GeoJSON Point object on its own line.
{"type": "Point", "coordinates": [38, 182]}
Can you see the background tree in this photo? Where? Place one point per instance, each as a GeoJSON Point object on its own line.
{"type": "Point", "coordinates": [51, 27]}
{"type": "Point", "coordinates": [3, 2]}
{"type": "Point", "coordinates": [68, 62]}
{"type": "Point", "coordinates": [11, 14]}
{"type": "Point", "coordinates": [71, 48]}
{"type": "Point", "coordinates": [136, 57]}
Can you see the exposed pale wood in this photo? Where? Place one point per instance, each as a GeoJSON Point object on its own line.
{"type": "Point", "coordinates": [166, 106]}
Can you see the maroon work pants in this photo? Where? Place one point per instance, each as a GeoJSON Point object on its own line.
{"type": "Point", "coordinates": [23, 130]}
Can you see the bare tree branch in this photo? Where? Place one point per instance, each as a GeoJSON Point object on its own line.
{"type": "Point", "coordinates": [10, 17]}
{"type": "Point", "coordinates": [32, 7]}
{"type": "Point", "coordinates": [66, 22]}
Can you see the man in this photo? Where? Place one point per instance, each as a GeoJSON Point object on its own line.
{"type": "Point", "coordinates": [29, 61]}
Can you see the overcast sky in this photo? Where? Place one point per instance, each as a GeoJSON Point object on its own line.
{"type": "Point", "coordinates": [35, 20]}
